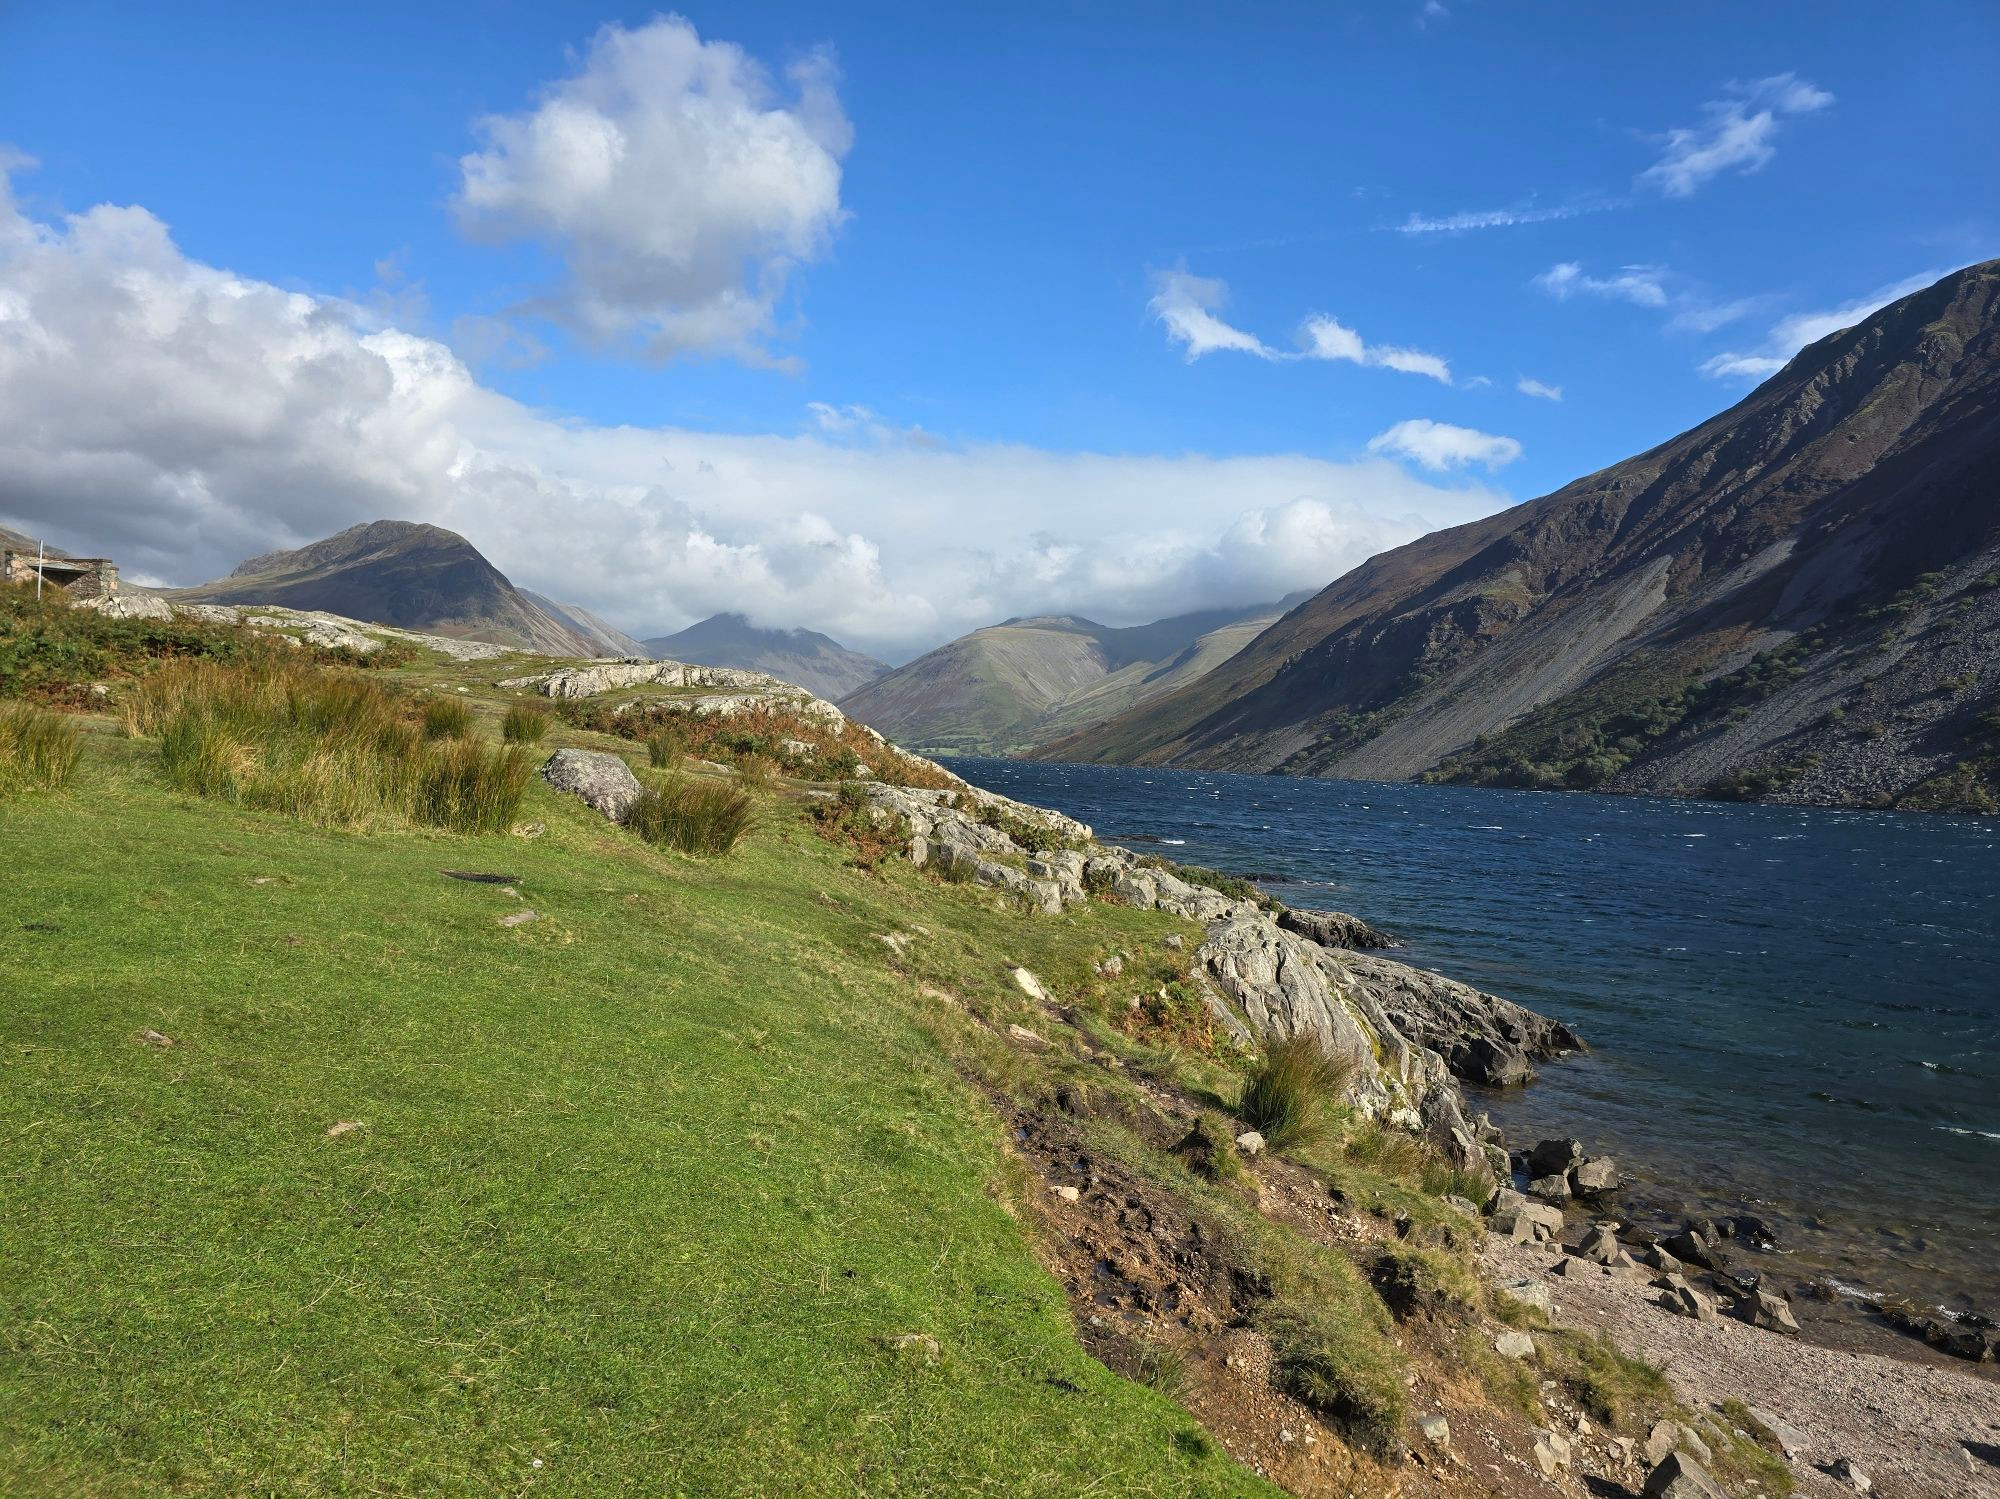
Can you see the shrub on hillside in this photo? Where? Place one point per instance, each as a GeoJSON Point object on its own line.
{"type": "Point", "coordinates": [1286, 1099]}
{"type": "Point", "coordinates": [525, 723]}
{"type": "Point", "coordinates": [37, 748]}
{"type": "Point", "coordinates": [694, 816]}
{"type": "Point", "coordinates": [447, 718]}
{"type": "Point", "coordinates": [320, 745]}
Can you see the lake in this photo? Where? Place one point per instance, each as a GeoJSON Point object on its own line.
{"type": "Point", "coordinates": [1791, 1010]}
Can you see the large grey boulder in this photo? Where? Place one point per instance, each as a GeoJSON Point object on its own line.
{"type": "Point", "coordinates": [1681, 1477]}
{"type": "Point", "coordinates": [1482, 1037]}
{"type": "Point", "coordinates": [604, 782]}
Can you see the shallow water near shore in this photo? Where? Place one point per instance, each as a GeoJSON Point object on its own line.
{"type": "Point", "coordinates": [1790, 1010]}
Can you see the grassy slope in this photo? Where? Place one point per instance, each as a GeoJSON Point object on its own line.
{"type": "Point", "coordinates": [642, 1190]}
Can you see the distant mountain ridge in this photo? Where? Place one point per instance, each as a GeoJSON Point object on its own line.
{"type": "Point", "coordinates": [1798, 598]}
{"type": "Point", "coordinates": [416, 577]}
{"type": "Point", "coordinates": [806, 658]}
{"type": "Point", "coordinates": [1022, 682]}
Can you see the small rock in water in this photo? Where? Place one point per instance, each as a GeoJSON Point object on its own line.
{"type": "Point", "coordinates": [1551, 1189]}
{"type": "Point", "coordinates": [1554, 1157]}
{"type": "Point", "coordinates": [1598, 1174]}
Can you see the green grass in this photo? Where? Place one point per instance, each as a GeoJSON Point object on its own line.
{"type": "Point", "coordinates": [447, 718]}
{"type": "Point", "coordinates": [324, 746]}
{"type": "Point", "coordinates": [1288, 1094]}
{"type": "Point", "coordinates": [696, 817]}
{"type": "Point", "coordinates": [38, 748]}
{"type": "Point", "coordinates": [643, 1191]}
{"type": "Point", "coordinates": [525, 723]}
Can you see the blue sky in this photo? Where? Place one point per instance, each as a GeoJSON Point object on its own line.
{"type": "Point", "coordinates": [893, 320]}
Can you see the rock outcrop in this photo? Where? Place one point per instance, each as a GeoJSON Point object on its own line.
{"type": "Point", "coordinates": [1335, 929]}
{"type": "Point", "coordinates": [1401, 1028]}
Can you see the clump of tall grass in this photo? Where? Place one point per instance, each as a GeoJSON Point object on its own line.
{"type": "Point", "coordinates": [321, 746]}
{"type": "Point", "coordinates": [447, 718]}
{"type": "Point", "coordinates": [37, 748]}
{"type": "Point", "coordinates": [694, 816]}
{"type": "Point", "coordinates": [1286, 1099]}
{"type": "Point", "coordinates": [663, 750]}
{"type": "Point", "coordinates": [525, 723]}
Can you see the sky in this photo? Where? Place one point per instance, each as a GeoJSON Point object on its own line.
{"type": "Point", "coordinates": [895, 320]}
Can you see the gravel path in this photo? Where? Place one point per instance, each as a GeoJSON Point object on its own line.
{"type": "Point", "coordinates": [1918, 1432]}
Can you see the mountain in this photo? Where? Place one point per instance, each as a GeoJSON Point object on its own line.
{"type": "Point", "coordinates": [1799, 598]}
{"type": "Point", "coordinates": [1014, 685]}
{"type": "Point", "coordinates": [818, 663]}
{"type": "Point", "coordinates": [416, 577]}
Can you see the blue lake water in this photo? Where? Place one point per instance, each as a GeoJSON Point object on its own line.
{"type": "Point", "coordinates": [1791, 1009]}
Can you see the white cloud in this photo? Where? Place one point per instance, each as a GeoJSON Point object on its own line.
{"type": "Point", "coordinates": [1793, 333]}
{"type": "Point", "coordinates": [1736, 133]}
{"type": "Point", "coordinates": [1528, 387]}
{"type": "Point", "coordinates": [1440, 446]}
{"type": "Point", "coordinates": [1641, 285]}
{"type": "Point", "coordinates": [1328, 338]}
{"type": "Point", "coordinates": [1187, 304]}
{"type": "Point", "coordinates": [676, 185]}
{"type": "Point", "coordinates": [1491, 218]}
{"type": "Point", "coordinates": [180, 417]}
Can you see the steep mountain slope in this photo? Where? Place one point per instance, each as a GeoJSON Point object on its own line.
{"type": "Point", "coordinates": [609, 639]}
{"type": "Point", "coordinates": [816, 662]}
{"type": "Point", "coordinates": [1013, 685]}
{"type": "Point", "coordinates": [417, 577]}
{"type": "Point", "coordinates": [1796, 598]}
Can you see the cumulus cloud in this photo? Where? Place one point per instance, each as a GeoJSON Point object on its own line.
{"type": "Point", "coordinates": [1528, 387]}
{"type": "Point", "coordinates": [181, 417]}
{"type": "Point", "coordinates": [1736, 133]}
{"type": "Point", "coordinates": [1641, 285]}
{"type": "Point", "coordinates": [1793, 333]}
{"type": "Point", "coordinates": [676, 183]}
{"type": "Point", "coordinates": [1440, 446]}
{"type": "Point", "coordinates": [1188, 307]}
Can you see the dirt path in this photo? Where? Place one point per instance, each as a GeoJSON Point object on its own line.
{"type": "Point", "coordinates": [1917, 1432]}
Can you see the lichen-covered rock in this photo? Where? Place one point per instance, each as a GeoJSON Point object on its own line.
{"type": "Point", "coordinates": [604, 782]}
{"type": "Point", "coordinates": [330, 634]}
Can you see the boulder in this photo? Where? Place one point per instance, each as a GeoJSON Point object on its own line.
{"type": "Point", "coordinates": [1693, 1247]}
{"type": "Point", "coordinates": [1551, 1453]}
{"type": "Point", "coordinates": [1250, 1142]}
{"type": "Point", "coordinates": [602, 781]}
{"type": "Point", "coordinates": [1435, 1429]}
{"type": "Point", "coordinates": [1528, 1291]}
{"type": "Point", "coordinates": [1600, 1245]}
{"type": "Point", "coordinates": [1843, 1470]}
{"type": "Point", "coordinates": [1770, 1312]}
{"type": "Point", "coordinates": [1684, 1300]}
{"type": "Point", "coordinates": [1514, 1345]}
{"type": "Point", "coordinates": [1678, 1476]}
{"type": "Point", "coordinates": [1597, 1174]}
{"type": "Point", "coordinates": [1554, 1189]}
{"type": "Point", "coordinates": [1554, 1157]}
{"type": "Point", "coordinates": [1661, 1440]}
{"type": "Point", "coordinates": [1334, 929]}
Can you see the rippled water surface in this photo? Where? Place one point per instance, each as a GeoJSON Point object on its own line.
{"type": "Point", "coordinates": [1789, 1008]}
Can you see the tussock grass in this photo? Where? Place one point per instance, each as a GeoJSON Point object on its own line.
{"type": "Point", "coordinates": [663, 749]}
{"type": "Point", "coordinates": [37, 748]}
{"type": "Point", "coordinates": [447, 718]}
{"type": "Point", "coordinates": [1287, 1098]}
{"type": "Point", "coordinates": [525, 723]}
{"type": "Point", "coordinates": [320, 746]}
{"type": "Point", "coordinates": [696, 817]}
